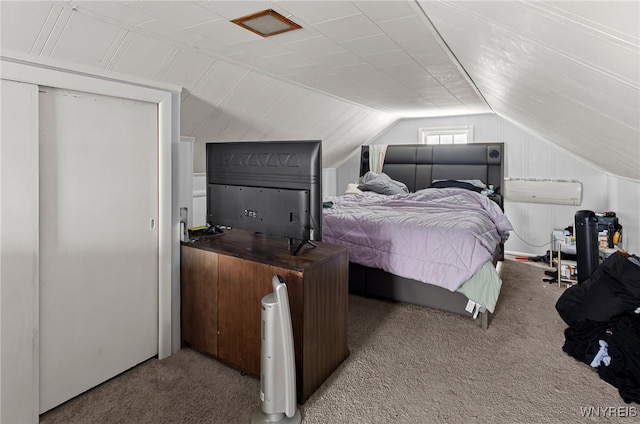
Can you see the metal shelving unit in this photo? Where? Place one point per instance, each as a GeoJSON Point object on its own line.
{"type": "Point", "coordinates": [558, 263]}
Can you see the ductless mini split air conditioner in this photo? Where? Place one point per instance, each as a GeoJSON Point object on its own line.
{"type": "Point", "coordinates": [554, 192]}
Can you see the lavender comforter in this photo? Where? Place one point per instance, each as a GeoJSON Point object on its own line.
{"type": "Point", "coordinates": [437, 236]}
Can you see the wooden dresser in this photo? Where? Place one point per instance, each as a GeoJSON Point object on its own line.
{"type": "Point", "coordinates": [224, 278]}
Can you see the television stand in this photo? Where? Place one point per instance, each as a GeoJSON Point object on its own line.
{"type": "Point", "coordinates": [299, 246]}
{"type": "Point", "coordinates": [223, 280]}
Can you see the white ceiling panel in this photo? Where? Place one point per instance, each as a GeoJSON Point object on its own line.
{"type": "Point", "coordinates": [315, 46]}
{"type": "Point", "coordinates": [374, 44]}
{"type": "Point", "coordinates": [316, 12]}
{"type": "Point", "coordinates": [143, 56]}
{"type": "Point", "coordinates": [617, 89]}
{"type": "Point", "coordinates": [186, 68]}
{"type": "Point", "coordinates": [262, 48]}
{"type": "Point", "coordinates": [225, 31]}
{"type": "Point", "coordinates": [84, 41]}
{"type": "Point", "coordinates": [405, 70]}
{"type": "Point", "coordinates": [278, 64]}
{"type": "Point", "coordinates": [48, 39]}
{"type": "Point", "coordinates": [209, 86]}
{"type": "Point", "coordinates": [339, 60]}
{"type": "Point", "coordinates": [111, 11]}
{"type": "Point", "coordinates": [169, 31]}
{"type": "Point", "coordinates": [271, 96]}
{"type": "Point", "coordinates": [418, 46]}
{"type": "Point", "coordinates": [21, 23]}
{"type": "Point", "coordinates": [576, 41]}
{"type": "Point", "coordinates": [243, 94]}
{"type": "Point", "coordinates": [256, 115]}
{"type": "Point", "coordinates": [181, 14]}
{"type": "Point", "coordinates": [262, 103]}
{"type": "Point", "coordinates": [214, 47]}
{"type": "Point", "coordinates": [383, 59]}
{"type": "Point", "coordinates": [208, 94]}
{"type": "Point", "coordinates": [235, 9]}
{"type": "Point", "coordinates": [408, 29]}
{"type": "Point", "coordinates": [309, 73]}
{"type": "Point", "coordinates": [611, 17]}
{"type": "Point", "coordinates": [289, 110]}
{"type": "Point", "coordinates": [122, 38]}
{"type": "Point", "coordinates": [380, 11]}
{"type": "Point", "coordinates": [348, 28]}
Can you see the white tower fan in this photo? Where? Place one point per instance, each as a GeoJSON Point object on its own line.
{"type": "Point", "coordinates": [277, 362]}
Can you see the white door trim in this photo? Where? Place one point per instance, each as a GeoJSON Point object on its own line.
{"type": "Point", "coordinates": [19, 241]}
{"type": "Point", "coordinates": [38, 72]}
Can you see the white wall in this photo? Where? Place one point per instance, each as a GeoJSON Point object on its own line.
{"type": "Point", "coordinates": [348, 172]}
{"type": "Point", "coordinates": [199, 199]}
{"type": "Point", "coordinates": [528, 156]}
{"type": "Point", "coordinates": [184, 176]}
{"type": "Point", "coordinates": [328, 182]}
{"type": "Point", "coordinates": [624, 199]}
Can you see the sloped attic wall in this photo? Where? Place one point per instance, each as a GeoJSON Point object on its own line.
{"type": "Point", "coordinates": [233, 103]}
{"type": "Point", "coordinates": [221, 101]}
{"type": "Point", "coordinates": [568, 72]}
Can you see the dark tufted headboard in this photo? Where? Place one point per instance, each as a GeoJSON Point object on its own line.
{"type": "Point", "coordinates": [417, 165]}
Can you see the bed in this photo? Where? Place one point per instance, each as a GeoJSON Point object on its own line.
{"type": "Point", "coordinates": [389, 261]}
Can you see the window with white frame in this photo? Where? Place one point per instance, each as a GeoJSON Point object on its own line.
{"type": "Point", "coordinates": [446, 135]}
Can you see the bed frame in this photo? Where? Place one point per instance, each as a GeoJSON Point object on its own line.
{"type": "Point", "coordinates": [417, 165]}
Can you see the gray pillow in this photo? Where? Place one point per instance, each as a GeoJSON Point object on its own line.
{"type": "Point", "coordinates": [381, 183]}
{"type": "Point", "coordinates": [476, 183]}
{"type": "Point", "coordinates": [456, 184]}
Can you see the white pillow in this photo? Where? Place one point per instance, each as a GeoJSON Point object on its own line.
{"type": "Point", "coordinates": [352, 188]}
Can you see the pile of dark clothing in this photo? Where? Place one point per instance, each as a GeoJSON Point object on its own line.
{"type": "Point", "coordinates": [603, 314]}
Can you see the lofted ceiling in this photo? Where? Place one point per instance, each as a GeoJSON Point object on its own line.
{"type": "Point", "coordinates": [568, 72]}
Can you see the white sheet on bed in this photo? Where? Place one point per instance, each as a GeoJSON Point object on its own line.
{"type": "Point", "coordinates": [437, 236]}
{"type": "Point", "coordinates": [483, 287]}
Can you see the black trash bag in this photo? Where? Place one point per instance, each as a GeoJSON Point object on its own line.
{"type": "Point", "coordinates": [613, 289]}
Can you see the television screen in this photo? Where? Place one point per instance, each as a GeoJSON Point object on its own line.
{"type": "Point", "coordinates": [270, 187]}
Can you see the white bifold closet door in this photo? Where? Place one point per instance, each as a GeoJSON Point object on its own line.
{"type": "Point", "coordinates": [98, 239]}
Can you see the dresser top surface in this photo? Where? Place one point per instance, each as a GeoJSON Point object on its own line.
{"type": "Point", "coordinates": [259, 248]}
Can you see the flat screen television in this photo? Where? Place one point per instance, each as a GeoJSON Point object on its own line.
{"type": "Point", "coordinates": [269, 187]}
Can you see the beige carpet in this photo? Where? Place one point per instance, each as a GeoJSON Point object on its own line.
{"type": "Point", "coordinates": [407, 365]}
